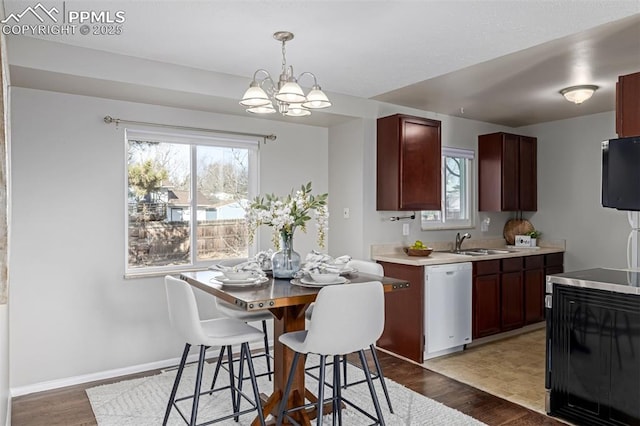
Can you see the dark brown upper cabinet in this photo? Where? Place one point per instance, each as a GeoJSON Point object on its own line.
{"type": "Point", "coordinates": [408, 163]}
{"type": "Point", "coordinates": [628, 105]}
{"type": "Point", "coordinates": [507, 173]}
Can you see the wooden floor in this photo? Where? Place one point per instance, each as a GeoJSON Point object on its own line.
{"type": "Point", "coordinates": [70, 406]}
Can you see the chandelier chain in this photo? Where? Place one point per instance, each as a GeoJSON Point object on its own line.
{"type": "Point", "coordinates": [284, 59]}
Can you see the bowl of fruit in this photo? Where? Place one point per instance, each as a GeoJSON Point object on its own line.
{"type": "Point", "coordinates": [418, 249]}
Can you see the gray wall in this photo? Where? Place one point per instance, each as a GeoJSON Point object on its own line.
{"type": "Point", "coordinates": [569, 197]}
{"type": "Point", "coordinates": [72, 312]}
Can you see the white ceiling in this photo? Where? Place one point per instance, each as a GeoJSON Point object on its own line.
{"type": "Point", "coordinates": [403, 52]}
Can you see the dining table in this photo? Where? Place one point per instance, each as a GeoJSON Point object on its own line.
{"type": "Point", "coordinates": [287, 300]}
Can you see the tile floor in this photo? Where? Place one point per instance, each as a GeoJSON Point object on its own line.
{"type": "Point", "coordinates": [512, 368]}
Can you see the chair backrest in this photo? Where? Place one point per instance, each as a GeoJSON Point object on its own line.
{"type": "Point", "coordinates": [183, 310]}
{"type": "Point", "coordinates": [366, 267]}
{"type": "Point", "coordinates": [346, 318]}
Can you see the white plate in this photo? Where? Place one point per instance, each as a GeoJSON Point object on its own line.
{"type": "Point", "coordinates": [240, 283]}
{"type": "Point", "coordinates": [307, 282]}
{"type": "Point", "coordinates": [310, 281]}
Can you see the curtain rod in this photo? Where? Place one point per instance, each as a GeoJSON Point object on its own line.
{"type": "Point", "coordinates": [109, 120]}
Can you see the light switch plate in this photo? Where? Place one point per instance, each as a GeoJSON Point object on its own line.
{"type": "Point", "coordinates": [523, 241]}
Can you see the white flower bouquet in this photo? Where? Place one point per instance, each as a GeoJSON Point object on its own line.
{"type": "Point", "coordinates": [285, 214]}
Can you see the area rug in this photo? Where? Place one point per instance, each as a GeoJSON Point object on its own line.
{"type": "Point", "coordinates": [142, 401]}
{"type": "Point", "coordinates": [512, 368]}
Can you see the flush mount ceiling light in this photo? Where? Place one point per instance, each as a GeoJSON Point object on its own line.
{"type": "Point", "coordinates": [578, 94]}
{"type": "Point", "coordinates": [286, 96]}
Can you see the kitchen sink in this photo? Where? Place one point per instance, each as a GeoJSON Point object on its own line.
{"type": "Point", "coordinates": [471, 253]}
{"type": "Point", "coordinates": [482, 252]}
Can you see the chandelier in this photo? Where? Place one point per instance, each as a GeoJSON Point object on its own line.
{"type": "Point", "coordinates": [286, 96]}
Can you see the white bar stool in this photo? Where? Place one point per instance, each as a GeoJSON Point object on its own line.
{"type": "Point", "coordinates": [346, 318]}
{"type": "Point", "coordinates": [232, 311]}
{"type": "Point", "coordinates": [223, 332]}
{"type": "Point", "coordinates": [373, 268]}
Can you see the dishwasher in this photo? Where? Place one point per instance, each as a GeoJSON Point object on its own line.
{"type": "Point", "coordinates": [447, 308]}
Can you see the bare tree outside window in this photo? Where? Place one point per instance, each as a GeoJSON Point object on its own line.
{"type": "Point", "coordinates": [174, 201]}
{"type": "Point", "coordinates": [456, 209]}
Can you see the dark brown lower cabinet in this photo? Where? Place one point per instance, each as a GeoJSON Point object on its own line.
{"type": "Point", "coordinates": [533, 296]}
{"type": "Point", "coordinates": [553, 264]}
{"type": "Point", "coordinates": [486, 305]}
{"type": "Point", "coordinates": [534, 282]}
{"type": "Point", "coordinates": [404, 313]}
{"type": "Point", "coordinates": [512, 295]}
{"type": "Point", "coordinates": [486, 298]}
{"type": "Point", "coordinates": [509, 293]}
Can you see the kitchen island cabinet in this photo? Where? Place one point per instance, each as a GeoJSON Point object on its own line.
{"type": "Point", "coordinates": [593, 323]}
{"type": "Point", "coordinates": [408, 163]}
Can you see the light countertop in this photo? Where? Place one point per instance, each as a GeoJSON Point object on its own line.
{"type": "Point", "coordinates": [393, 253]}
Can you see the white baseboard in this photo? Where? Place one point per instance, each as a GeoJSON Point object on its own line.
{"type": "Point", "coordinates": [8, 419]}
{"type": "Point", "coordinates": [102, 375]}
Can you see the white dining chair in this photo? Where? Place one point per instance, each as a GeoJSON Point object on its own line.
{"type": "Point", "coordinates": [347, 318]}
{"type": "Point", "coordinates": [230, 310]}
{"type": "Point", "coordinates": [220, 332]}
{"type": "Point", "coordinates": [373, 268]}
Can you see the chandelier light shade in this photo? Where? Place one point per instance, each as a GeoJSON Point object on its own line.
{"type": "Point", "coordinates": [286, 96]}
{"type": "Point", "coordinates": [578, 94]}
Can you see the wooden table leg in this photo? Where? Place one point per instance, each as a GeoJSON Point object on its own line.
{"type": "Point", "coordinates": [287, 319]}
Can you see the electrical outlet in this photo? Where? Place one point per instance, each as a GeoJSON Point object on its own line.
{"type": "Point", "coordinates": [405, 229]}
{"type": "Point", "coordinates": [345, 213]}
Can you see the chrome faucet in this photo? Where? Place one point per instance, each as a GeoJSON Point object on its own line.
{"type": "Point", "coordinates": [459, 240]}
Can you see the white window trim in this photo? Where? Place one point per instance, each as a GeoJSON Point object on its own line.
{"type": "Point", "coordinates": [454, 224]}
{"type": "Point", "coordinates": [192, 139]}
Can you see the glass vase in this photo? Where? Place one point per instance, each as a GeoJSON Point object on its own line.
{"type": "Point", "coordinates": [285, 262]}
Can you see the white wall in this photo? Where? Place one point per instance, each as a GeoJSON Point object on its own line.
{"type": "Point", "coordinates": [569, 197]}
{"type": "Point", "coordinates": [72, 313]}
{"type": "Point", "coordinates": [346, 145]}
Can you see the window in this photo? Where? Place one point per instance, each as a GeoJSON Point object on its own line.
{"type": "Point", "coordinates": [185, 199]}
{"type": "Point", "coordinates": [457, 189]}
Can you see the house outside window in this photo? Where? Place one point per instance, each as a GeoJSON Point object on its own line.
{"type": "Point", "coordinates": [457, 189]}
{"type": "Point", "coordinates": [185, 200]}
